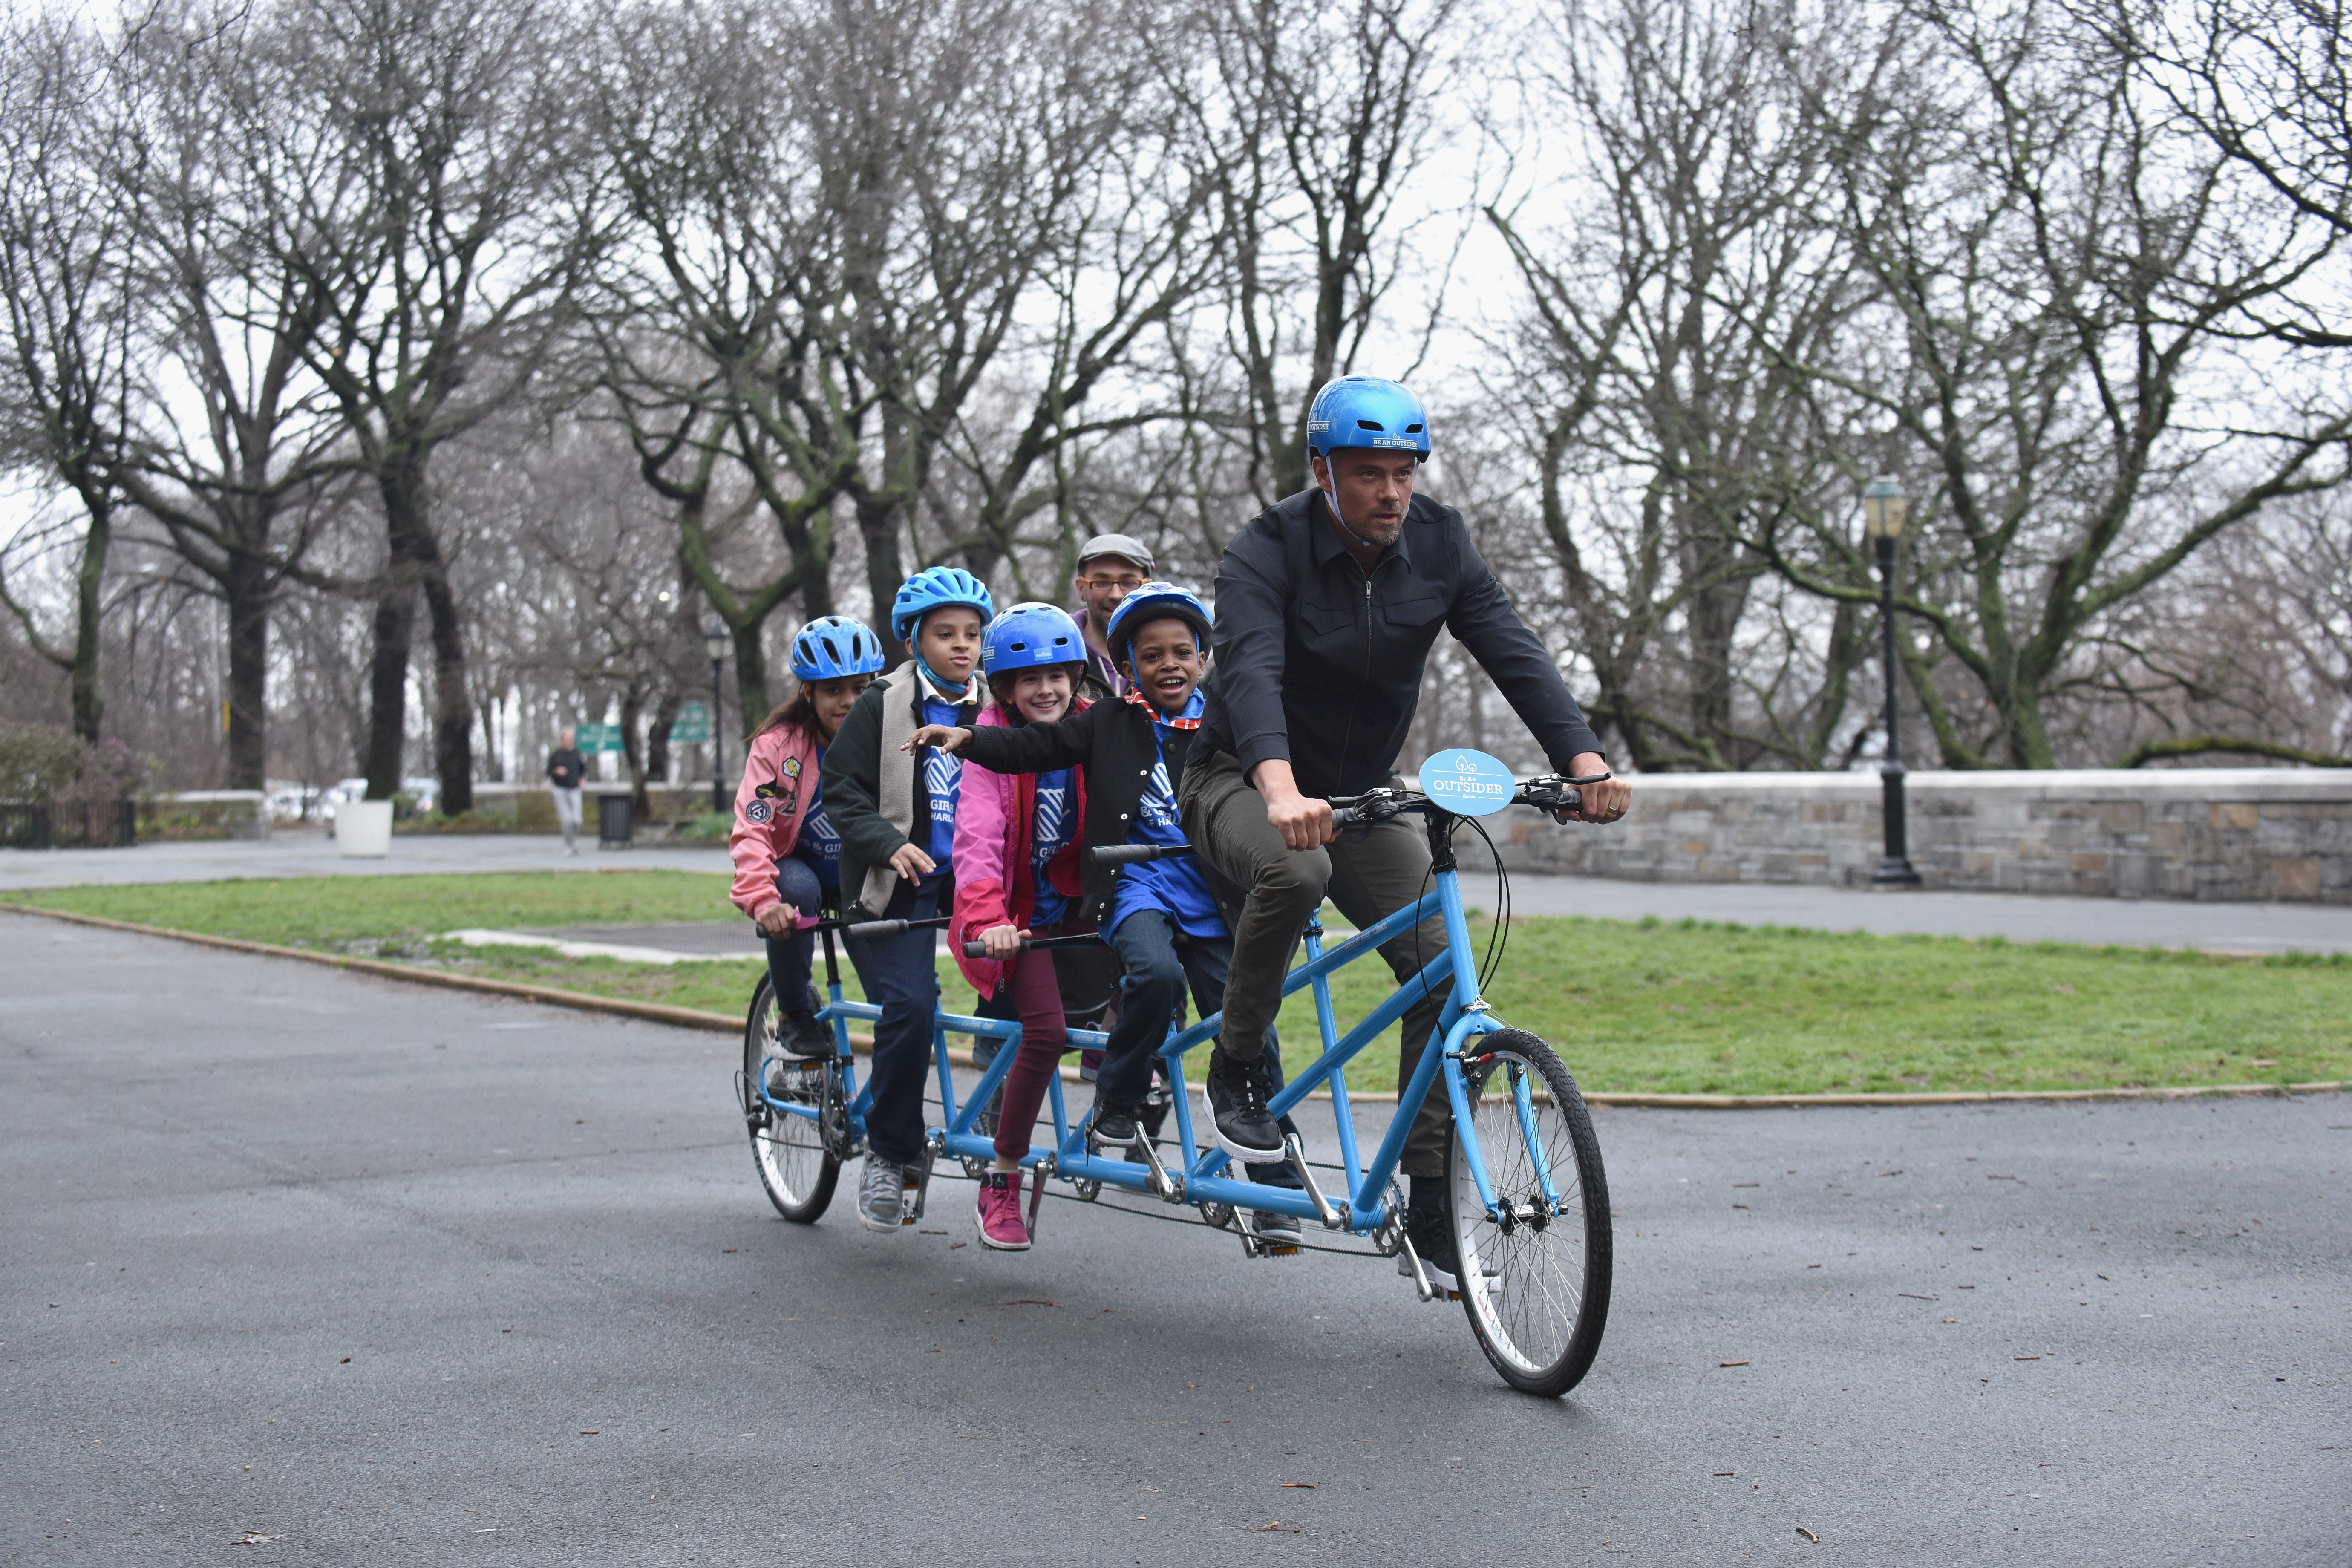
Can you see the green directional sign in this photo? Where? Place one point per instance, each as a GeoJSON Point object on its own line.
{"type": "Point", "coordinates": [692, 725]}
{"type": "Point", "coordinates": [593, 738]}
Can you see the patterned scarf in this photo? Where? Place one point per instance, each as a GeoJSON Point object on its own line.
{"type": "Point", "coordinates": [1137, 697]}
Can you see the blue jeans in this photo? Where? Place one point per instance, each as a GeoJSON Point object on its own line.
{"type": "Point", "coordinates": [790, 957]}
{"type": "Point", "coordinates": [901, 977]}
{"type": "Point", "coordinates": [1161, 960]}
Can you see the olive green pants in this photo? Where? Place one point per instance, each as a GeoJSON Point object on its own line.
{"type": "Point", "coordinates": [1368, 872]}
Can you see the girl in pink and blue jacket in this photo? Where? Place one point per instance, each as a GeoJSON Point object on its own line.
{"type": "Point", "coordinates": [787, 855]}
{"type": "Point", "coordinates": [1017, 874]}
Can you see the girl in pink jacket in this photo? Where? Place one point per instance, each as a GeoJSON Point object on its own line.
{"type": "Point", "coordinates": [1017, 874]}
{"type": "Point", "coordinates": [787, 855]}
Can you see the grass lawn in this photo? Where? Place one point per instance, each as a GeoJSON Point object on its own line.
{"type": "Point", "coordinates": [1666, 1008]}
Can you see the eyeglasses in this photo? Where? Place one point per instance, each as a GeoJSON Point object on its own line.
{"type": "Point", "coordinates": [1128, 585]}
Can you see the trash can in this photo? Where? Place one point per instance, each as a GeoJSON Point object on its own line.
{"type": "Point", "coordinates": [363, 829]}
{"type": "Point", "coordinates": [612, 821]}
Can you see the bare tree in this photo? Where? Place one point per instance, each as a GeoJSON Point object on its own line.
{"type": "Point", "coordinates": [430, 189]}
{"type": "Point", "coordinates": [69, 222]}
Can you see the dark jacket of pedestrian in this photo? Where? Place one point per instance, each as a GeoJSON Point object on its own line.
{"type": "Point", "coordinates": [1319, 663]}
{"type": "Point", "coordinates": [566, 767]}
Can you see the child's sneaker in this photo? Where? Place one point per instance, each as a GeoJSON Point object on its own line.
{"type": "Point", "coordinates": [999, 1213]}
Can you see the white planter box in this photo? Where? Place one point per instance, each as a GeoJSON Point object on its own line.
{"type": "Point", "coordinates": [363, 829]}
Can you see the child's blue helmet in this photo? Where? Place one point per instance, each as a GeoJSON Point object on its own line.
{"type": "Point", "coordinates": [832, 647]}
{"type": "Point", "coordinates": [932, 588]}
{"type": "Point", "coordinates": [1030, 634]}
{"type": "Point", "coordinates": [1365, 411]}
{"type": "Point", "coordinates": [1155, 602]}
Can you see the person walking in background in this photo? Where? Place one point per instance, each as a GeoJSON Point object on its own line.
{"type": "Point", "coordinates": [567, 770]}
{"type": "Point", "coordinates": [1110, 567]}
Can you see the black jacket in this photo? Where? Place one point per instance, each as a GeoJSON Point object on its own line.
{"type": "Point", "coordinates": [1319, 664]}
{"type": "Point", "coordinates": [1114, 743]}
{"type": "Point", "coordinates": [567, 767]}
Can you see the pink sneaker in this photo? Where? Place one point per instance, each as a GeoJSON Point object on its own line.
{"type": "Point", "coordinates": [999, 1213]}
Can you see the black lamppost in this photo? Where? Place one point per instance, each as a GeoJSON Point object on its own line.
{"type": "Point", "coordinates": [1882, 506]}
{"type": "Point", "coordinates": [714, 643]}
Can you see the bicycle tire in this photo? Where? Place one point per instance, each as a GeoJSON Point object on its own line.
{"type": "Point", "coordinates": [796, 1171]}
{"type": "Point", "coordinates": [1546, 1305]}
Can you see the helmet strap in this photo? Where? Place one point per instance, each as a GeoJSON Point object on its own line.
{"type": "Point", "coordinates": [1331, 497]}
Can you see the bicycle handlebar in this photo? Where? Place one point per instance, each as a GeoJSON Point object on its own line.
{"type": "Point", "coordinates": [1550, 792]}
{"type": "Point", "coordinates": [865, 929]}
{"type": "Point", "coordinates": [1132, 854]}
{"type": "Point", "coordinates": [1034, 943]}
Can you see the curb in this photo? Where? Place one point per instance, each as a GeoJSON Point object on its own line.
{"type": "Point", "coordinates": [696, 1018]}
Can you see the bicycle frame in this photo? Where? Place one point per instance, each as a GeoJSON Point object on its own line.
{"type": "Point", "coordinates": [1201, 1178]}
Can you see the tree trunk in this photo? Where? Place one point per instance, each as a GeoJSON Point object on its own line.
{"type": "Point", "coordinates": [632, 707]}
{"type": "Point", "coordinates": [395, 628]}
{"type": "Point", "coordinates": [751, 686]}
{"type": "Point", "coordinates": [89, 579]}
{"type": "Point", "coordinates": [246, 588]}
{"type": "Point", "coordinates": [408, 520]}
{"type": "Point", "coordinates": [877, 524]}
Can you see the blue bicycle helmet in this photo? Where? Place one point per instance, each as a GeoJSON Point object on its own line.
{"type": "Point", "coordinates": [1028, 635]}
{"type": "Point", "coordinates": [1155, 602]}
{"type": "Point", "coordinates": [832, 647]}
{"type": "Point", "coordinates": [1365, 411]}
{"type": "Point", "coordinates": [931, 589]}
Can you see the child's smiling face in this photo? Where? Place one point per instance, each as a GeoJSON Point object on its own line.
{"type": "Point", "coordinates": [949, 640]}
{"type": "Point", "coordinates": [1041, 695]}
{"type": "Point", "coordinates": [1165, 663]}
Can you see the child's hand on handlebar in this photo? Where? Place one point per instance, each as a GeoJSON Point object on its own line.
{"type": "Point", "coordinates": [1003, 942]}
{"type": "Point", "coordinates": [946, 737]}
{"type": "Point", "coordinates": [776, 920]}
{"type": "Point", "coordinates": [911, 863]}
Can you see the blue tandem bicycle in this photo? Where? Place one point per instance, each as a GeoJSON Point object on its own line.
{"type": "Point", "coordinates": [1529, 1199]}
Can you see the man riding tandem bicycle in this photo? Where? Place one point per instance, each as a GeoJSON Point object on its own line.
{"type": "Point", "coordinates": [1508, 1211]}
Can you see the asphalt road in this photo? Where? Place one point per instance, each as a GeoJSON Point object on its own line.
{"type": "Point", "coordinates": [386, 1274]}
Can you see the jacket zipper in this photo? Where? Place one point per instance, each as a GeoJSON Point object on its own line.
{"type": "Point", "coordinates": [1348, 736]}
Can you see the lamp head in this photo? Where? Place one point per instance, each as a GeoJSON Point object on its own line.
{"type": "Point", "coordinates": [715, 641]}
{"type": "Point", "coordinates": [1883, 507]}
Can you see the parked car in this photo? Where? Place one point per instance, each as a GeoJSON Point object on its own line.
{"type": "Point", "coordinates": [425, 793]}
{"type": "Point", "coordinates": [339, 792]}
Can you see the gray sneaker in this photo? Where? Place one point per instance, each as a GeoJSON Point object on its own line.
{"type": "Point", "coordinates": [878, 1200]}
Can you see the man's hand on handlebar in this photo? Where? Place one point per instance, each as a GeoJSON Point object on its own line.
{"type": "Point", "coordinates": [946, 737]}
{"type": "Point", "coordinates": [1304, 821]}
{"type": "Point", "coordinates": [911, 863]}
{"type": "Point", "coordinates": [1605, 800]}
{"type": "Point", "coordinates": [1003, 942]}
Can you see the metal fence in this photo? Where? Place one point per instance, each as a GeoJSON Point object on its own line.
{"type": "Point", "coordinates": [69, 823]}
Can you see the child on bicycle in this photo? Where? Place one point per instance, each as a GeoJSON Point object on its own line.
{"type": "Point", "coordinates": [1016, 856]}
{"type": "Point", "coordinates": [787, 855]}
{"type": "Point", "coordinates": [894, 805]}
{"type": "Point", "coordinates": [1160, 916]}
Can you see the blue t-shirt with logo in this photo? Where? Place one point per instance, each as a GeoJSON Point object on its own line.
{"type": "Point", "coordinates": [1049, 833]}
{"type": "Point", "coordinates": [942, 782]}
{"type": "Point", "coordinates": [1174, 886]}
{"type": "Point", "coordinates": [818, 844]}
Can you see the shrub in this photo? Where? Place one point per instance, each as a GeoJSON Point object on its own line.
{"type": "Point", "coordinates": [37, 761]}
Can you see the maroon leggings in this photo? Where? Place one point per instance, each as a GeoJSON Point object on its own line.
{"type": "Point", "coordinates": [1045, 1035]}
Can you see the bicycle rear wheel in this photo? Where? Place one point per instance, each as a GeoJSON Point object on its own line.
{"type": "Point", "coordinates": [1545, 1262]}
{"type": "Point", "coordinates": [787, 1150]}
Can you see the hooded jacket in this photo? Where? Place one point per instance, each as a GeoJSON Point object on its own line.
{"type": "Point", "coordinates": [769, 806]}
{"type": "Point", "coordinates": [996, 817]}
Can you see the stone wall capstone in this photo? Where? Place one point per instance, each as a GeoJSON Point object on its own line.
{"type": "Point", "coordinates": [2181, 833]}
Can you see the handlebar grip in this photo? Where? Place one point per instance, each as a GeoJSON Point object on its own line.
{"type": "Point", "coordinates": [975, 950]}
{"type": "Point", "coordinates": [867, 930]}
{"type": "Point", "coordinates": [1135, 854]}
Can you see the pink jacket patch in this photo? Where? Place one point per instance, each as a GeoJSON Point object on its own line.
{"type": "Point", "coordinates": [779, 776]}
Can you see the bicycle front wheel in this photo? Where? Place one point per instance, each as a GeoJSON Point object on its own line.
{"type": "Point", "coordinates": [787, 1147]}
{"type": "Point", "coordinates": [1544, 1257]}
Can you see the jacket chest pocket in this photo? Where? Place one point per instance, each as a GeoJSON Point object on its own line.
{"type": "Point", "coordinates": [1411, 612]}
{"type": "Point", "coordinates": [1330, 630]}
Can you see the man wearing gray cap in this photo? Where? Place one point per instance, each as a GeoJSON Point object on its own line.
{"type": "Point", "coordinates": [1110, 567]}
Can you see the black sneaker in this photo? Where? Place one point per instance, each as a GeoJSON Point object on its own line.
{"type": "Point", "coordinates": [800, 1035]}
{"type": "Point", "coordinates": [1236, 1095]}
{"type": "Point", "coordinates": [1113, 1124]}
{"type": "Point", "coordinates": [1433, 1239]}
{"type": "Point", "coordinates": [1272, 1228]}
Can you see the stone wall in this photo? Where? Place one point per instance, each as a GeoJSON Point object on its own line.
{"type": "Point", "coordinates": [2185, 833]}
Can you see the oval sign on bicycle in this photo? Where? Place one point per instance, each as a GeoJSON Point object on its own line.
{"type": "Point", "coordinates": [1468, 782]}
